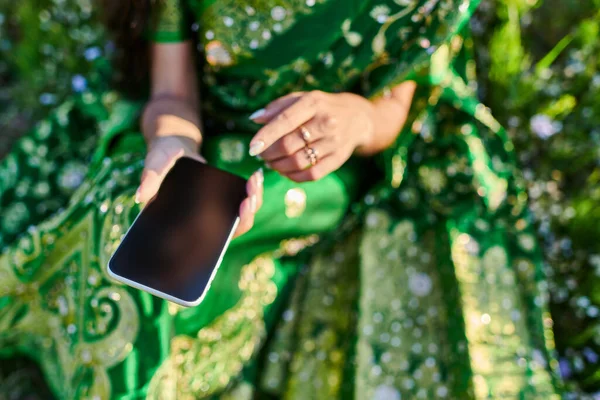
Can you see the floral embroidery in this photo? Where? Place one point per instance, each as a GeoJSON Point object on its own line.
{"type": "Point", "coordinates": [498, 332]}
{"type": "Point", "coordinates": [241, 30]}
{"type": "Point", "coordinates": [432, 179]}
{"type": "Point", "coordinates": [400, 352]}
{"type": "Point", "coordinates": [217, 54]}
{"type": "Point", "coordinates": [315, 328]}
{"type": "Point", "coordinates": [353, 38]}
{"type": "Point", "coordinates": [232, 150]}
{"type": "Point", "coordinates": [56, 312]}
{"type": "Point", "coordinates": [71, 176]}
{"type": "Point", "coordinates": [295, 202]}
{"type": "Point", "coordinates": [198, 366]}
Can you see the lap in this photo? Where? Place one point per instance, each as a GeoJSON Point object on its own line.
{"type": "Point", "coordinates": [92, 335]}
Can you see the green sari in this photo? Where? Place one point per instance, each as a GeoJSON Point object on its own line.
{"type": "Point", "coordinates": [412, 275]}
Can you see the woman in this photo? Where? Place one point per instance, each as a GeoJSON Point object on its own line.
{"type": "Point", "coordinates": [422, 281]}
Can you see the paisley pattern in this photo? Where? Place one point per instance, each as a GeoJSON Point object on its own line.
{"type": "Point", "coordinates": [62, 309]}
{"type": "Point", "coordinates": [426, 284]}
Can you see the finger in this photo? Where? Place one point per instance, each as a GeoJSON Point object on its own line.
{"type": "Point", "coordinates": [323, 125]}
{"type": "Point", "coordinates": [324, 167]}
{"type": "Point", "coordinates": [300, 160]}
{"type": "Point", "coordinates": [264, 115]}
{"type": "Point", "coordinates": [252, 190]}
{"type": "Point", "coordinates": [284, 147]}
{"type": "Point", "coordinates": [256, 182]}
{"type": "Point", "coordinates": [286, 121]}
{"type": "Point", "coordinates": [243, 226]}
{"type": "Point", "coordinates": [246, 218]}
{"type": "Point", "coordinates": [196, 157]}
{"type": "Point", "coordinates": [261, 188]}
{"type": "Point", "coordinates": [319, 127]}
{"type": "Point", "coordinates": [158, 162]}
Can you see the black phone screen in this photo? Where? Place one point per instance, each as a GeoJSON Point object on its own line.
{"type": "Point", "coordinates": [177, 241]}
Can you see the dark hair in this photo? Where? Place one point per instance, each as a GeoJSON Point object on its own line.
{"type": "Point", "coordinates": [127, 22]}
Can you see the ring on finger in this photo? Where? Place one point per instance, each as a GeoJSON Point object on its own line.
{"type": "Point", "coordinates": [312, 155]}
{"type": "Point", "coordinates": [305, 134]}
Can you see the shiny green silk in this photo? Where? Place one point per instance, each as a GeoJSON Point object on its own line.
{"type": "Point", "coordinates": [411, 275]}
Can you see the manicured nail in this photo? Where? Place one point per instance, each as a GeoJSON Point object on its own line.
{"type": "Point", "coordinates": [257, 114]}
{"type": "Point", "coordinates": [256, 147]}
{"type": "Point", "coordinates": [137, 197]}
{"type": "Point", "coordinates": [253, 203]}
{"type": "Point", "coordinates": [261, 176]}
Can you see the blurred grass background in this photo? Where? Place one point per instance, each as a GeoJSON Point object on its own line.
{"type": "Point", "coordinates": [539, 71]}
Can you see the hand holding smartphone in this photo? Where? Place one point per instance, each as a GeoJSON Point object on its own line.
{"type": "Point", "coordinates": [174, 247]}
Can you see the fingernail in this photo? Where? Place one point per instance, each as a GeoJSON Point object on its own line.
{"type": "Point", "coordinates": [253, 203]}
{"type": "Point", "coordinates": [257, 114]}
{"type": "Point", "coordinates": [137, 197]}
{"type": "Point", "coordinates": [268, 166]}
{"type": "Point", "coordinates": [261, 176]}
{"type": "Point", "coordinates": [256, 147]}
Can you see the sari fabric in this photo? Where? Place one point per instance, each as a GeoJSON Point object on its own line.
{"type": "Point", "coordinates": [415, 274]}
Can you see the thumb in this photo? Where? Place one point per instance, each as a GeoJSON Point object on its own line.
{"type": "Point", "coordinates": [158, 162]}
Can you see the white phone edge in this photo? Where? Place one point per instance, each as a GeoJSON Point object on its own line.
{"type": "Point", "coordinates": [166, 296]}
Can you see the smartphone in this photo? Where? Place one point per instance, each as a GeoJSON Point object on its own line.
{"type": "Point", "coordinates": [174, 247]}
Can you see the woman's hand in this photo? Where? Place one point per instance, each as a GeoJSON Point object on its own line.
{"type": "Point", "coordinates": [330, 126]}
{"type": "Point", "coordinates": [164, 151]}
{"type": "Point", "coordinates": [308, 135]}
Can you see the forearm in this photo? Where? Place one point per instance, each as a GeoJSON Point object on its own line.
{"type": "Point", "coordinates": [388, 115]}
{"type": "Point", "coordinates": [173, 109]}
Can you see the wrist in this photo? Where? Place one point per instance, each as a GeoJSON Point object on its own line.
{"type": "Point", "coordinates": [368, 113]}
{"type": "Point", "coordinates": [189, 146]}
{"type": "Point", "coordinates": [168, 125]}
{"type": "Point", "coordinates": [184, 141]}
{"type": "Point", "coordinates": [388, 116]}
{"type": "Point", "coordinates": [167, 117]}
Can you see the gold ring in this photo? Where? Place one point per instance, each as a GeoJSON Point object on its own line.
{"type": "Point", "coordinates": [305, 134]}
{"type": "Point", "coordinates": [312, 155]}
